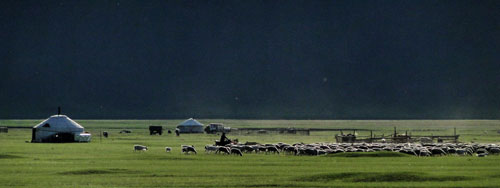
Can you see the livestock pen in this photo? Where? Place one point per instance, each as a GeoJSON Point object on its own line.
{"type": "Point", "coordinates": [394, 138]}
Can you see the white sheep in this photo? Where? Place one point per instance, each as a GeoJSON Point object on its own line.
{"type": "Point", "coordinates": [210, 149]}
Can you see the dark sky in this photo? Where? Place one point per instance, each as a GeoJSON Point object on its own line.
{"type": "Point", "coordinates": [250, 59]}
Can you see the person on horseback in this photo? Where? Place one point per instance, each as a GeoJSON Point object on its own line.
{"type": "Point", "coordinates": [224, 139]}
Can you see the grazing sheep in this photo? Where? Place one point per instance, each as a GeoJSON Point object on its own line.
{"type": "Point", "coordinates": [247, 149]}
{"type": "Point", "coordinates": [210, 149]}
{"type": "Point", "coordinates": [224, 150]}
{"type": "Point", "coordinates": [437, 151]}
{"type": "Point", "coordinates": [236, 151]}
{"type": "Point", "coordinates": [309, 151]}
{"type": "Point", "coordinates": [495, 150]}
{"type": "Point", "coordinates": [291, 150]}
{"type": "Point", "coordinates": [481, 151]}
{"type": "Point", "coordinates": [262, 149]}
{"type": "Point", "coordinates": [461, 152]}
{"type": "Point", "coordinates": [140, 148]}
{"type": "Point", "coordinates": [168, 149]}
{"type": "Point", "coordinates": [417, 149]}
{"type": "Point", "coordinates": [326, 147]}
{"type": "Point", "coordinates": [187, 149]}
{"type": "Point", "coordinates": [321, 152]}
{"type": "Point", "coordinates": [272, 149]}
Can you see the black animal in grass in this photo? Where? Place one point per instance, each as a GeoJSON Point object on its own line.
{"type": "Point", "coordinates": [437, 151]}
{"type": "Point", "coordinates": [155, 130]}
{"type": "Point", "coordinates": [187, 149]}
{"type": "Point", "coordinates": [125, 131]}
{"type": "Point", "coordinates": [272, 149]}
{"type": "Point", "coordinates": [236, 151]}
{"type": "Point", "coordinates": [224, 150]}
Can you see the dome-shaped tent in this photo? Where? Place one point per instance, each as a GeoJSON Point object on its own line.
{"type": "Point", "coordinates": [59, 128]}
{"type": "Point", "coordinates": [190, 126]}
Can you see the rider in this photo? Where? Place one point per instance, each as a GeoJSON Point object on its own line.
{"type": "Point", "coordinates": [224, 139]}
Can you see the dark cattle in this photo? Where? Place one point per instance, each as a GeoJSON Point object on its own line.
{"type": "Point", "coordinates": [155, 130]}
{"type": "Point", "coordinates": [105, 134]}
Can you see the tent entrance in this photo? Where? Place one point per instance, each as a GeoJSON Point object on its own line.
{"type": "Point", "coordinates": [61, 138]}
{"type": "Point", "coordinates": [33, 135]}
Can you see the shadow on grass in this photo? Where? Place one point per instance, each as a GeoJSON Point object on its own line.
{"type": "Point", "coordinates": [173, 158]}
{"type": "Point", "coordinates": [370, 154]}
{"type": "Point", "coordinates": [379, 177]}
{"type": "Point", "coordinates": [7, 156]}
{"type": "Point", "coordinates": [263, 185]}
{"type": "Point", "coordinates": [98, 171]}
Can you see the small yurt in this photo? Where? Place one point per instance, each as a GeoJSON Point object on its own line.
{"type": "Point", "coordinates": [190, 126]}
{"type": "Point", "coordinates": [59, 128]}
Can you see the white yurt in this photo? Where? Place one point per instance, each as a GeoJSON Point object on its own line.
{"type": "Point", "coordinates": [190, 126]}
{"type": "Point", "coordinates": [59, 128]}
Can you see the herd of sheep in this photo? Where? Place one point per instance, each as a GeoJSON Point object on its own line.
{"type": "Point", "coordinates": [416, 149]}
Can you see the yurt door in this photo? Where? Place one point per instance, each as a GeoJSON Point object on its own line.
{"type": "Point", "coordinates": [33, 135]}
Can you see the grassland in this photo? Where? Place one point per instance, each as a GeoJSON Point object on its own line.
{"type": "Point", "coordinates": [111, 162]}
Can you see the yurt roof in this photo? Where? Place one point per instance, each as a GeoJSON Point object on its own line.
{"type": "Point", "coordinates": [191, 122]}
{"type": "Point", "coordinates": [59, 122]}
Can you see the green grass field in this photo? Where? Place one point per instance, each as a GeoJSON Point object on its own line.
{"type": "Point", "coordinates": [111, 162]}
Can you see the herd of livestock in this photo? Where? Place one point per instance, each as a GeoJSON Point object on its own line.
{"type": "Point", "coordinates": [416, 149]}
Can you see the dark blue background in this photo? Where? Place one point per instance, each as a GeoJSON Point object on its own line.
{"type": "Point", "coordinates": [250, 59]}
